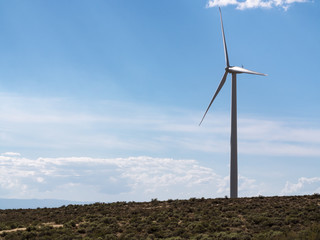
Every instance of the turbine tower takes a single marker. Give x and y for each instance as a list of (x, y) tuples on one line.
[(233, 143)]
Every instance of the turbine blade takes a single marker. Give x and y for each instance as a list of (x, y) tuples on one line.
[(224, 41), (243, 70), (223, 80)]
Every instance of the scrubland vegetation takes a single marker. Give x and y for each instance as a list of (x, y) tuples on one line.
[(294, 217)]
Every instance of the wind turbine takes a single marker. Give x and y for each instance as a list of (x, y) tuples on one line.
[(233, 143)]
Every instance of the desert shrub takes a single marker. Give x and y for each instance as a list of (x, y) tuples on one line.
[(13, 225), (291, 220), (70, 224), (109, 220), (201, 237), (235, 222), (82, 230), (225, 236), (3, 226), (109, 237)]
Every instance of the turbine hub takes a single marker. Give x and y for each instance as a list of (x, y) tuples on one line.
[(229, 69)]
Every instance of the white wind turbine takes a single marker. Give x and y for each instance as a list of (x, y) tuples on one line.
[(234, 148)]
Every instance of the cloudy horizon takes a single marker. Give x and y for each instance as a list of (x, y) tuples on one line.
[(127, 179)]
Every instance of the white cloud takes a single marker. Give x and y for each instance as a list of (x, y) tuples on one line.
[(221, 3), (241, 5), (303, 186), (114, 179)]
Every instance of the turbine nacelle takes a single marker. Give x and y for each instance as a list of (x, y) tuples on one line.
[(235, 69)]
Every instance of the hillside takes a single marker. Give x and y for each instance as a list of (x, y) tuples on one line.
[(294, 217)]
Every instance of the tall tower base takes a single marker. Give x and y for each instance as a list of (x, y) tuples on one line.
[(233, 142)]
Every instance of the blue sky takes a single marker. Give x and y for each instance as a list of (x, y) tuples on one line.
[(101, 100)]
